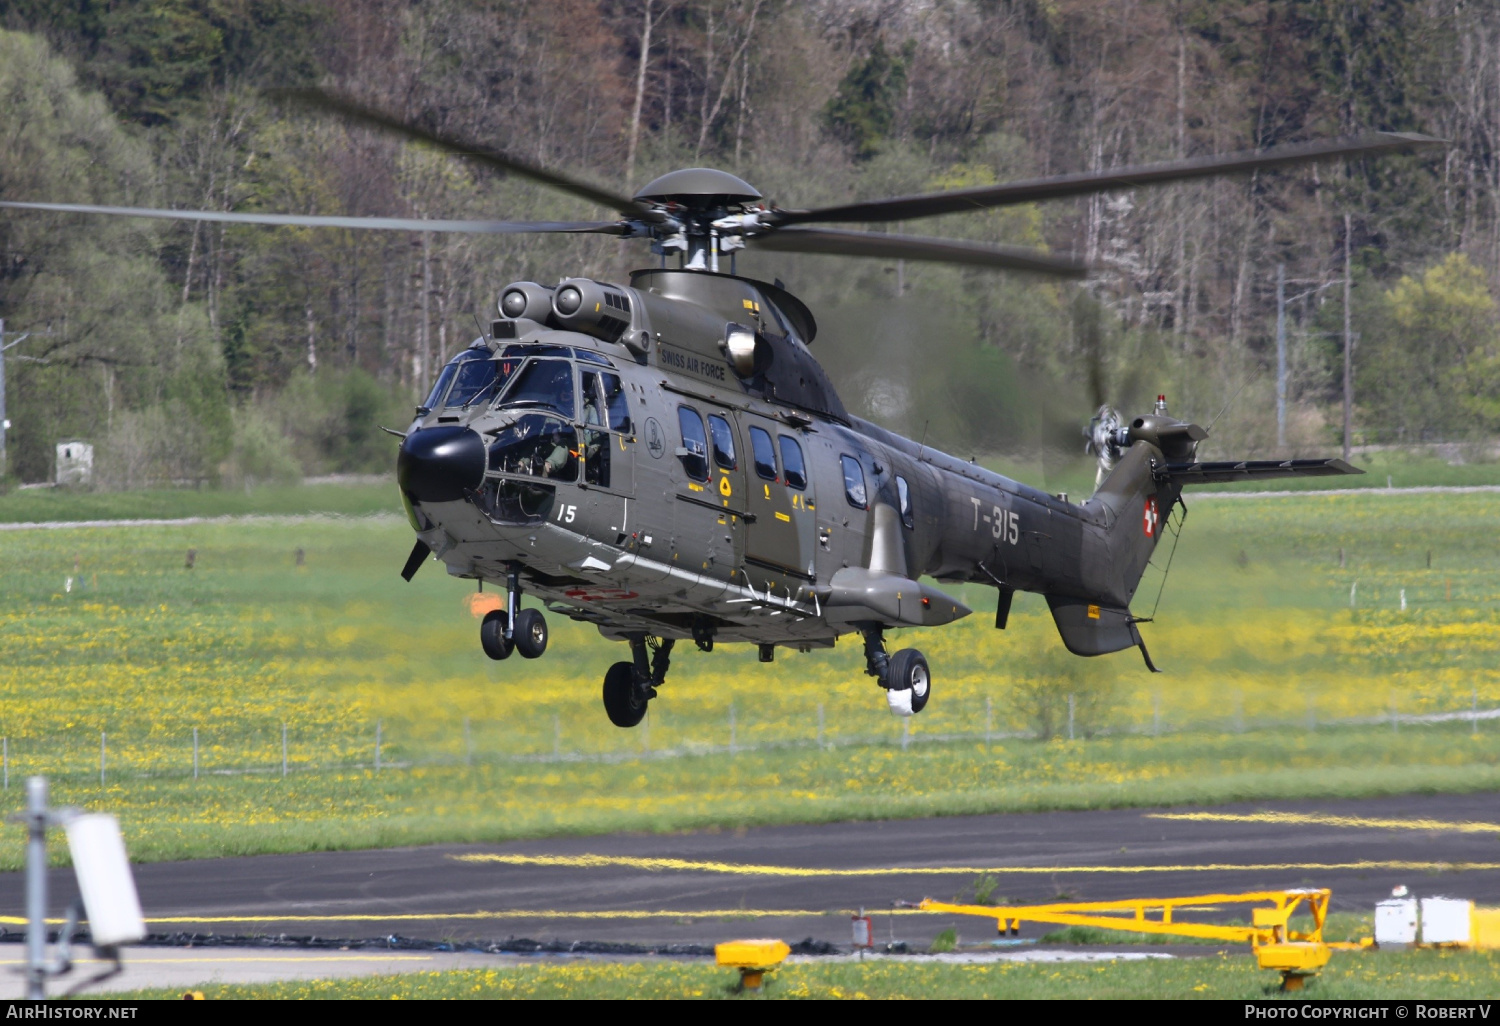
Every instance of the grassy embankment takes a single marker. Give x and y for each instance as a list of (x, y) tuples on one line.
[(1255, 629), (1368, 976)]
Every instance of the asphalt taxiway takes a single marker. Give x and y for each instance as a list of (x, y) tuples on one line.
[(804, 881)]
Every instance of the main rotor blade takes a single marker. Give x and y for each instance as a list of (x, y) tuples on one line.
[(982, 197), (350, 108), (843, 242), (408, 224)]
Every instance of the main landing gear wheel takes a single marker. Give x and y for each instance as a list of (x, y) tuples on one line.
[(531, 633), (624, 702), (908, 682), (492, 635)]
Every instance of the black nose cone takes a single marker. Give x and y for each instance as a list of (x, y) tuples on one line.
[(438, 464)]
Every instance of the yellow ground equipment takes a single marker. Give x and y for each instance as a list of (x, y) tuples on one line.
[(753, 958), (1294, 954)]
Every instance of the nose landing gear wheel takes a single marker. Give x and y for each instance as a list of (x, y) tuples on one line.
[(531, 633), (492, 635), (623, 701), (909, 682)]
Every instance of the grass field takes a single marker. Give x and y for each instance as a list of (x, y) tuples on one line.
[(105, 630), (1368, 976), (346, 499)]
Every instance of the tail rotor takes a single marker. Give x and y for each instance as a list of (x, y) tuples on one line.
[(1107, 438)]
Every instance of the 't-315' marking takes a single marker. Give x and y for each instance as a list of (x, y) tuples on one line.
[(1005, 524)]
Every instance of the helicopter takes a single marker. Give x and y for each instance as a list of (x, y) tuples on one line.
[(667, 461)]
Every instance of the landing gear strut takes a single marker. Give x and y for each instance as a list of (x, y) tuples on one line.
[(905, 676), (513, 628), (630, 686)]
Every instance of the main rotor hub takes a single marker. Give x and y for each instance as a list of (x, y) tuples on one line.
[(698, 187)]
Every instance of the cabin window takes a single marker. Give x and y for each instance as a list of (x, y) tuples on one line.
[(536, 446), (545, 383), (903, 495), (694, 443), (765, 453), (854, 482), (723, 439), (792, 463)]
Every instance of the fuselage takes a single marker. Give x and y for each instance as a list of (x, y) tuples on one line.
[(648, 485)]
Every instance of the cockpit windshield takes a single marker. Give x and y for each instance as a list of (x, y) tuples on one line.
[(544, 383), (473, 376), (478, 380)]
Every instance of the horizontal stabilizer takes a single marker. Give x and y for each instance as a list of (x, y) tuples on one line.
[(1246, 470)]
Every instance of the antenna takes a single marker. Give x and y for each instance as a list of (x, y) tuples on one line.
[(1232, 398)]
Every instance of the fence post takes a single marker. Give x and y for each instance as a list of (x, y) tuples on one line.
[(820, 724), (283, 748), (732, 738), (1070, 717), (377, 746), (905, 732), (5, 748), (468, 745), (101, 758), (556, 737), (195, 753), (989, 721), (646, 733)]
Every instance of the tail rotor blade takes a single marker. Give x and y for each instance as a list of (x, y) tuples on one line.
[(419, 552)]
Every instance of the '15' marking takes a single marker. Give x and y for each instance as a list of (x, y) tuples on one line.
[(566, 513)]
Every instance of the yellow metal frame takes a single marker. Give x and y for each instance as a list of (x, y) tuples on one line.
[(1293, 953)]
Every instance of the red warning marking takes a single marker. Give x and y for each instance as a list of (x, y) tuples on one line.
[(600, 594)]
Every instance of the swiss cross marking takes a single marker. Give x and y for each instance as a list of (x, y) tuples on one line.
[(1151, 517)]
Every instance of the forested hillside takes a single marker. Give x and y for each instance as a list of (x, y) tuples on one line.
[(209, 353)]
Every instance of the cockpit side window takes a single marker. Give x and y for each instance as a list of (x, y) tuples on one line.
[(440, 389), (614, 402), (545, 383), (903, 495)]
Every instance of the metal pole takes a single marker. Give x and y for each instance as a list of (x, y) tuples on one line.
[(731, 728), (1348, 344), (556, 737), (5, 750), (283, 749), (195, 753), (1070, 717), (3, 422), (377, 746), (101, 758), (36, 888), (820, 724), (1281, 356), (989, 720)]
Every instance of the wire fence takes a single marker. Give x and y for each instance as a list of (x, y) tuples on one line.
[(285, 749)]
